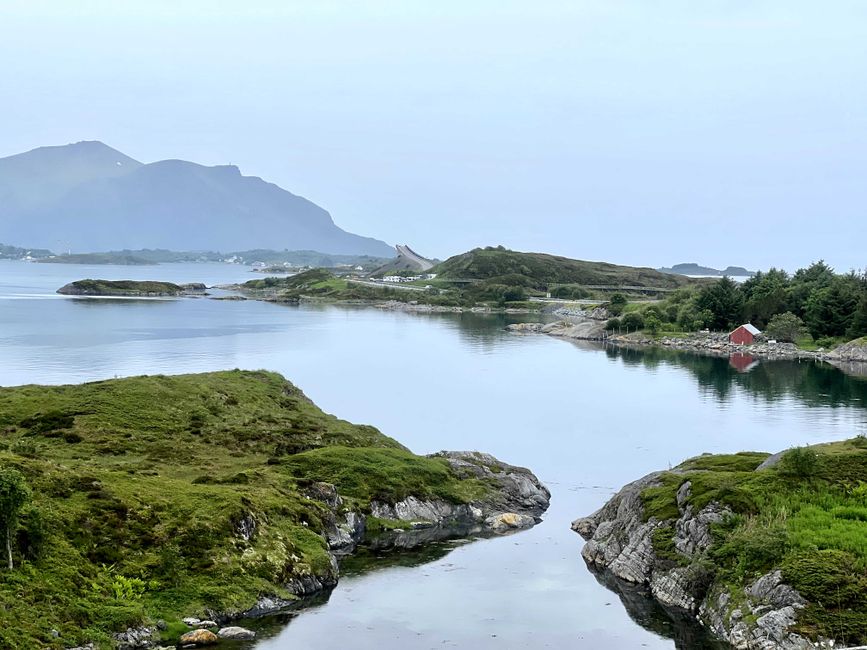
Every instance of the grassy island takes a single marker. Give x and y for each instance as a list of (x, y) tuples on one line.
[(134, 288), (159, 497)]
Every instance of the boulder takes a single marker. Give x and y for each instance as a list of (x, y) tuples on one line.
[(198, 638), (237, 633)]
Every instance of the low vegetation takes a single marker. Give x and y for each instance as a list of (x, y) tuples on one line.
[(806, 515), (125, 498)]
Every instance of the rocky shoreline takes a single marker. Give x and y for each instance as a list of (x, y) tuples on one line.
[(620, 543), (850, 357), (516, 502)]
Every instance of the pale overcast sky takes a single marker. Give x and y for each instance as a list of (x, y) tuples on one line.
[(636, 131)]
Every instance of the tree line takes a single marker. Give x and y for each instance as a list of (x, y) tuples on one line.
[(813, 301)]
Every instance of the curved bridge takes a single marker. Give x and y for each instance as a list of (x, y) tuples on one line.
[(405, 251)]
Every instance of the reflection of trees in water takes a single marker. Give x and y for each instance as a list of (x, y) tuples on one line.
[(678, 626), (813, 383)]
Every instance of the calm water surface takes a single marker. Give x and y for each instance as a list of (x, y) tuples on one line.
[(586, 420)]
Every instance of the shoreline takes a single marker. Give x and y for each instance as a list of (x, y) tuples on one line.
[(516, 502), (716, 345)]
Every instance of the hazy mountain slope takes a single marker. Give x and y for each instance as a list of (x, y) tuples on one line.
[(169, 204), (42, 176)]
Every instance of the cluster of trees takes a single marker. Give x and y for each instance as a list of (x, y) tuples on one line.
[(814, 300)]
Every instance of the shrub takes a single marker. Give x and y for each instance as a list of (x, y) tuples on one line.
[(785, 327), (753, 547), (617, 303), (799, 462), (612, 324), (632, 321)]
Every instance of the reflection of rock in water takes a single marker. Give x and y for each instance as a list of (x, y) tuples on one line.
[(364, 560), (851, 368), (673, 624), (271, 625), (371, 559)]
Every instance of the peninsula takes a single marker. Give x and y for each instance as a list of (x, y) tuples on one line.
[(148, 500)]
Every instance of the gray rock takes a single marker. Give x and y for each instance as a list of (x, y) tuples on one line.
[(237, 633), (133, 638)]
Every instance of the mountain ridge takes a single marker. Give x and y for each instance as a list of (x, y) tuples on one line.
[(88, 196)]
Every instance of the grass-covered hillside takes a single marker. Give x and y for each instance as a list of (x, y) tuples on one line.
[(806, 515), (140, 490), (540, 270)]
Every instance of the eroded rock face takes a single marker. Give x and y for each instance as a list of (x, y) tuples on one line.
[(771, 603), (620, 543)]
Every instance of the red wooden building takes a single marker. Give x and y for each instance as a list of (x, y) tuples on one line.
[(744, 335)]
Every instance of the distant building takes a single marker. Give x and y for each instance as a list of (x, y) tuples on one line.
[(744, 335)]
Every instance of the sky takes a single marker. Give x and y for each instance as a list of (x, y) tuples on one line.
[(645, 132)]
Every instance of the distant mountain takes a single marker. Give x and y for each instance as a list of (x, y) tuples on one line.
[(691, 268), (90, 197)]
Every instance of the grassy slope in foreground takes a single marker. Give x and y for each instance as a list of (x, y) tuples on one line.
[(807, 516), (539, 270), (139, 486)]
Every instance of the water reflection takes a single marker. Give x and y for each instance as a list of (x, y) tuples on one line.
[(813, 383), (676, 625)]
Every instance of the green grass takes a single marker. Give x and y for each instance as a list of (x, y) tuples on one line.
[(806, 515), (139, 486)]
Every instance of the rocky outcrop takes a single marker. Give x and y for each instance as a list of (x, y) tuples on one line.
[(516, 500), (620, 543)]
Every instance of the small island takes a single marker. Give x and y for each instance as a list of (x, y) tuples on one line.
[(130, 288), (151, 506), (766, 551)]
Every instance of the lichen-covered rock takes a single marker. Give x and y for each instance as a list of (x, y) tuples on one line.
[(198, 638)]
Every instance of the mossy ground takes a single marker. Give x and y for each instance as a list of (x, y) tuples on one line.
[(139, 486), (807, 515)]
